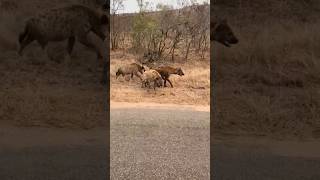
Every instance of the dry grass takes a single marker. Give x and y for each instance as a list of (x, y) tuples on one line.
[(36, 90), (192, 88), (39, 92), (268, 84)]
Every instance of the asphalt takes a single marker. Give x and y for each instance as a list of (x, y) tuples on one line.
[(149, 143), (146, 143)]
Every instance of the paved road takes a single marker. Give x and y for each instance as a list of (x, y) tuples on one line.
[(157, 143), (173, 144), (148, 143)]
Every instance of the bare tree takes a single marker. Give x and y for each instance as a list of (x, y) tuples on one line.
[(116, 5), (166, 32)]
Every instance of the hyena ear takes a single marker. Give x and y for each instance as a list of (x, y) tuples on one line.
[(104, 19)]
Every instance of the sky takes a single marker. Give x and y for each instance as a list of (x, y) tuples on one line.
[(131, 6)]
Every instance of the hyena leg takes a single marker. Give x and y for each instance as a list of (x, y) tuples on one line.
[(145, 83), (170, 83), (165, 83), (71, 42), (138, 74), (99, 56), (96, 42), (154, 85), (70, 45), (43, 44), (26, 41)]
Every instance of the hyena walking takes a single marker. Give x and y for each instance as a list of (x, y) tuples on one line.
[(70, 23), (166, 71), (132, 69), (222, 33)]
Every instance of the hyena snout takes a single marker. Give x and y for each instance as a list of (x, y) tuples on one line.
[(223, 34), (117, 74), (226, 39), (180, 72), (233, 40)]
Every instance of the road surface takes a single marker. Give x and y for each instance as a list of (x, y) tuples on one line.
[(153, 142), (145, 142), (157, 142)]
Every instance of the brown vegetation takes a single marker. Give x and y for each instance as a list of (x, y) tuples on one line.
[(176, 38), (268, 84)]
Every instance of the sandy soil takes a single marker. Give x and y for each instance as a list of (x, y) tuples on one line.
[(117, 105)]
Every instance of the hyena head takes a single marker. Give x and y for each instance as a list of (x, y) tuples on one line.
[(179, 72), (118, 73), (159, 82), (142, 69), (102, 27), (222, 33)]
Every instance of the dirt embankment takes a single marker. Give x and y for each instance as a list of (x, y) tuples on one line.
[(268, 84)]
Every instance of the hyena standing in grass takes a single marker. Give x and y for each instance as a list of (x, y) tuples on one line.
[(132, 69), (166, 71), (222, 33), (151, 76), (70, 23)]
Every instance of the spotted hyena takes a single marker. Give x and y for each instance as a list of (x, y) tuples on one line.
[(222, 33), (166, 71), (132, 69), (75, 22)]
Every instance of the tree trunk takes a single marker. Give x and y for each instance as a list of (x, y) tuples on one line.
[(187, 53)]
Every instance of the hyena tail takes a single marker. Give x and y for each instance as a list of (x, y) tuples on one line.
[(23, 35)]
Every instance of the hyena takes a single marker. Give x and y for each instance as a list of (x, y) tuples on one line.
[(166, 71), (222, 33), (132, 69), (150, 76), (75, 22)]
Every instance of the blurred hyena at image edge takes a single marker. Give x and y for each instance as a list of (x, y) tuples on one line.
[(267, 83), (41, 87)]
